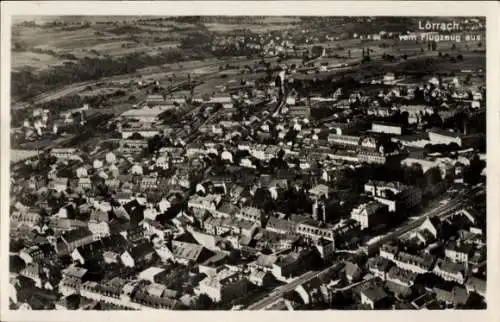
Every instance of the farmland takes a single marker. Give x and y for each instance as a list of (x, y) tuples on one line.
[(66, 55)]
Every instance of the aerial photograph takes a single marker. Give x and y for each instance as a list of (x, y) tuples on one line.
[(246, 163)]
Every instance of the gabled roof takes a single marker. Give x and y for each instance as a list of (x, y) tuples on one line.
[(451, 267), (76, 234), (186, 250), (374, 293), (141, 250), (266, 260), (477, 284)]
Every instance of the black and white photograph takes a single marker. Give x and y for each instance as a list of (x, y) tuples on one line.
[(247, 162)]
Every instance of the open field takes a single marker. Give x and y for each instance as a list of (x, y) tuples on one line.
[(37, 61)]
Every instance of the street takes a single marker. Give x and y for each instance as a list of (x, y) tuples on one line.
[(445, 210)]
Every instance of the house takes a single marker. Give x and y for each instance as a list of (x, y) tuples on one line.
[(35, 272), (294, 263), (312, 229), (99, 224), (319, 191), (450, 271), (251, 214), (414, 263), (64, 154), (110, 257), (459, 252), (84, 183), (370, 214), (280, 226), (225, 285), (28, 218), (477, 285), (31, 254), (74, 238), (379, 266), (313, 291), (325, 248), (227, 209), (440, 136), (140, 254), (188, 252), (261, 278), (208, 202), (457, 295), (75, 272), (149, 274), (400, 281), (374, 296), (265, 262), (394, 194), (69, 302)]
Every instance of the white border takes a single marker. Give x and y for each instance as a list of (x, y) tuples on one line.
[(280, 8)]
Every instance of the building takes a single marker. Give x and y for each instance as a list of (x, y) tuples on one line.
[(186, 252), (31, 254), (414, 263), (261, 278), (394, 194), (145, 114), (251, 214), (280, 226), (388, 128), (223, 286), (64, 154), (35, 272), (379, 266), (143, 131), (370, 214), (458, 251), (374, 297), (73, 239), (345, 140), (312, 229), (401, 280), (138, 255), (376, 157), (477, 285), (450, 271), (299, 111), (28, 218), (352, 272)]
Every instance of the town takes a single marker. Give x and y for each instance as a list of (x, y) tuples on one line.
[(287, 168)]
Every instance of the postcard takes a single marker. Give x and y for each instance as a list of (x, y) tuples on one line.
[(326, 158)]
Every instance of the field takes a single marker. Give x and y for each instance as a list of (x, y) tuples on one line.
[(35, 60), (68, 55)]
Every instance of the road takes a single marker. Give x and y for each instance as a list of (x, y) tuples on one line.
[(440, 212), (280, 291)]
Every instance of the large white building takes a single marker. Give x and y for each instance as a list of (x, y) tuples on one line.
[(389, 128), (146, 114)]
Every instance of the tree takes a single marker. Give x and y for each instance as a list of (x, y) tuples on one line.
[(432, 176), (472, 173), (154, 144)]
